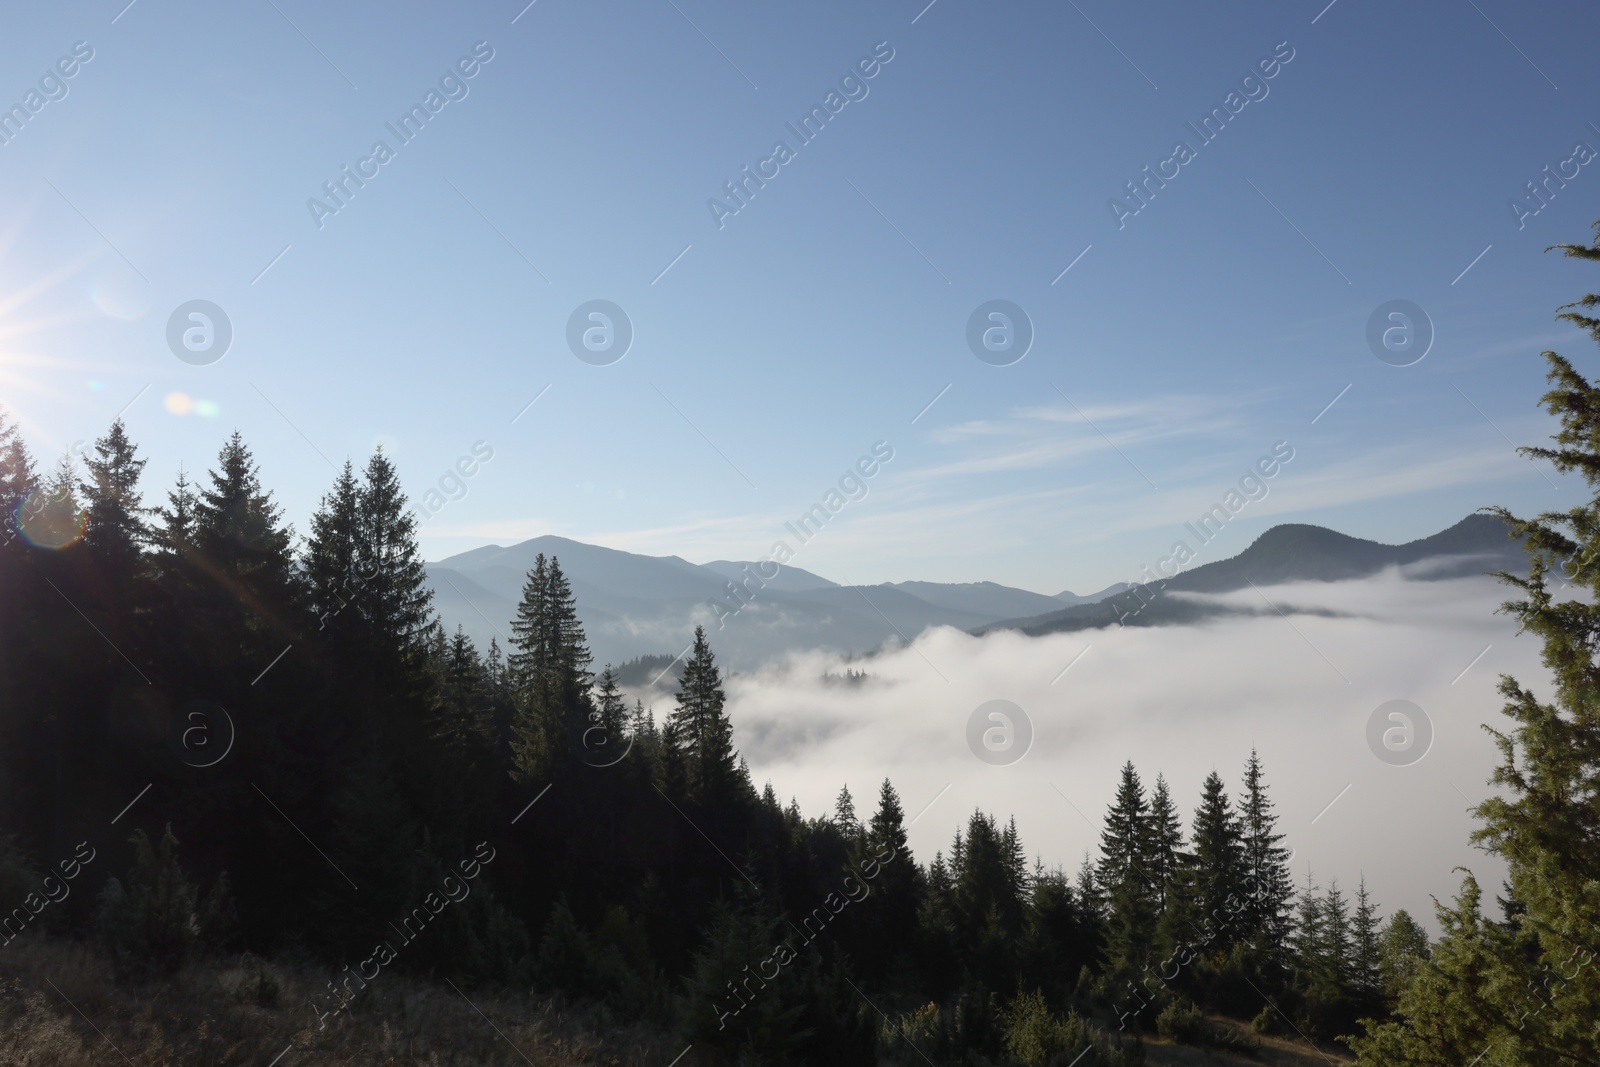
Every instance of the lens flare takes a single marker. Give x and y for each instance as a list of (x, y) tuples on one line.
[(50, 520), (179, 403)]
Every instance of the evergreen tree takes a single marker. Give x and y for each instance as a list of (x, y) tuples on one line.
[(607, 740), (331, 554), (115, 533), (394, 596), (1217, 866), (1269, 888), (1474, 998), (1165, 843), (1402, 948), (700, 724), (17, 475), (1125, 841), (550, 680), (1366, 979), (844, 814)]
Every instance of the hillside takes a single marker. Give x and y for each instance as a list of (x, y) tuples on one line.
[(1293, 552)]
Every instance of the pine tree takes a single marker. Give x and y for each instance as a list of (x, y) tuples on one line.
[(243, 546), (394, 595), (115, 533), (1269, 888), (331, 553), (1165, 844), (1129, 889), (606, 741), (1217, 866), (1366, 979), (1402, 948), (17, 475), (1125, 840), (550, 678), (1472, 998), (844, 814), (701, 725)]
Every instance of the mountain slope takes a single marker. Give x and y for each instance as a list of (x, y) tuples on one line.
[(1293, 552)]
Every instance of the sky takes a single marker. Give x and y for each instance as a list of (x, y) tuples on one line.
[(585, 158)]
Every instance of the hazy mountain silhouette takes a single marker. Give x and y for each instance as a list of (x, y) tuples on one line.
[(634, 605), (1293, 552)]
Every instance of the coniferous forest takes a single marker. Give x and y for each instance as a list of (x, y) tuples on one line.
[(226, 739)]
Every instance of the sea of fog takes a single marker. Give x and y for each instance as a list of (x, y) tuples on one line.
[(1298, 682)]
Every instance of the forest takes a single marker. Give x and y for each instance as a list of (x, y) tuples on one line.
[(220, 736)]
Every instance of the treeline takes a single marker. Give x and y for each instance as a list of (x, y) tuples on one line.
[(308, 763)]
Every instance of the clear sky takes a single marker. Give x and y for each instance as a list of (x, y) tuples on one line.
[(773, 347)]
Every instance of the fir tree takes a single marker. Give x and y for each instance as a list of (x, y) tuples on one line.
[(115, 533), (1216, 866), (701, 727), (1269, 888)]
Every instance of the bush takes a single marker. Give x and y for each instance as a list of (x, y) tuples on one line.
[(1266, 1022), (1184, 1023), (1033, 1037), (150, 926)]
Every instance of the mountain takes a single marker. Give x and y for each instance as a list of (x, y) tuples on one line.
[(789, 579), (1293, 552), (635, 605), (1093, 598)]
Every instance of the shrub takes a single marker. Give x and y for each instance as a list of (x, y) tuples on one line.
[(1184, 1023), (150, 926)]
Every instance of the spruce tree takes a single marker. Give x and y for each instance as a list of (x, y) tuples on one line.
[(1511, 997), (1165, 843), (1402, 948), (330, 557), (550, 680), (1366, 954), (844, 813), (115, 534), (1269, 888), (394, 595), (700, 723), (1217, 866)]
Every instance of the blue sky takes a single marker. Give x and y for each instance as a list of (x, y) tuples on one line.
[(826, 314)]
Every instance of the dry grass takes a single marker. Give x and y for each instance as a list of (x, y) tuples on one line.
[(1274, 1052), (60, 1008)]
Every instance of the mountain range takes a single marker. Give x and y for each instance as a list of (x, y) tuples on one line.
[(634, 605)]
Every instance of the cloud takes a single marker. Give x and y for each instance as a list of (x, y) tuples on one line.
[(1183, 701)]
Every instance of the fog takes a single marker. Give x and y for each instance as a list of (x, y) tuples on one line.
[(1299, 686)]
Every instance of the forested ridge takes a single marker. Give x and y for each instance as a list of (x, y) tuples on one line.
[(240, 738)]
